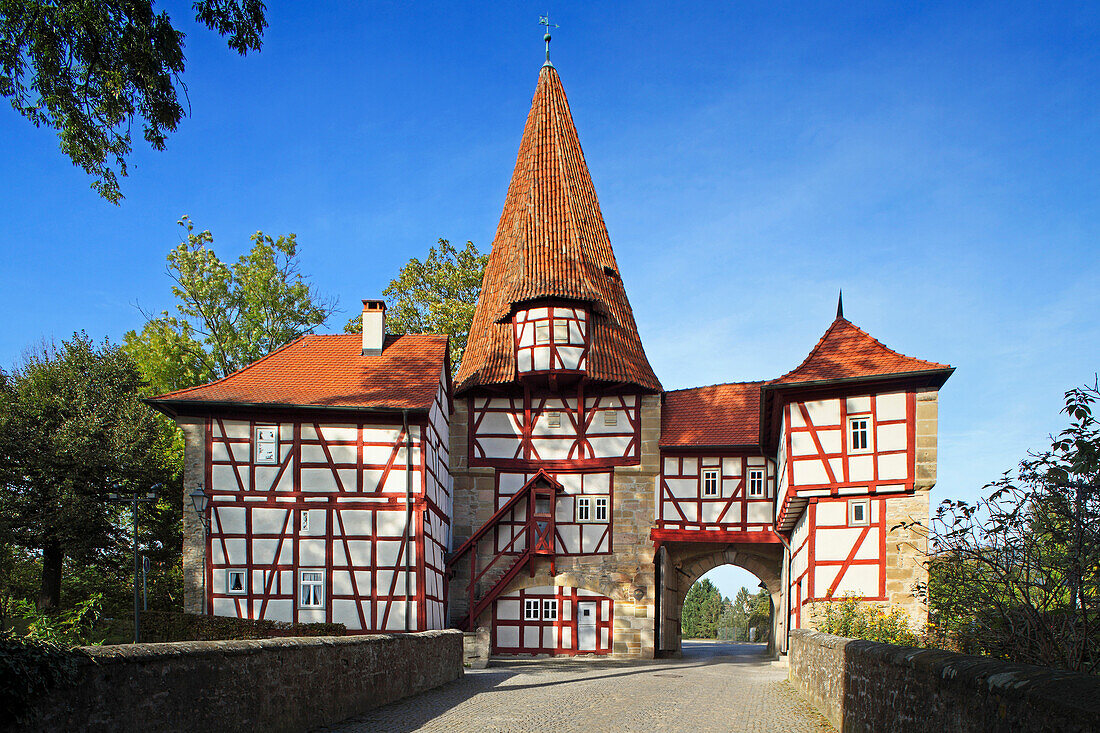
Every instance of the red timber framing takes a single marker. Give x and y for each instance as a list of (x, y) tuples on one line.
[(555, 628), (835, 555), (537, 498), (711, 492), (818, 459), (551, 339), (582, 427), (573, 533), (332, 502)]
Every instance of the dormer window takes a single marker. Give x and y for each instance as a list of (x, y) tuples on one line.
[(542, 332), (551, 339), (561, 332)]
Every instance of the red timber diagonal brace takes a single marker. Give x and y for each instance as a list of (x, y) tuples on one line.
[(540, 493)]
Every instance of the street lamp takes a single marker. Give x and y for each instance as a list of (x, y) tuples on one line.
[(134, 500), (199, 500)]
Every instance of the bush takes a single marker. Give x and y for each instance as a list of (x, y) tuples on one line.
[(171, 626), (30, 667), (853, 619)]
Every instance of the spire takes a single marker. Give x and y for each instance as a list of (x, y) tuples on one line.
[(545, 20), (552, 243), (840, 305)]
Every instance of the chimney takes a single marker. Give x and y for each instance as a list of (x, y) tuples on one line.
[(374, 327)]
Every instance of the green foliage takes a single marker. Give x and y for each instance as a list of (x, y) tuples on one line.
[(702, 608), (30, 667), (75, 626), (227, 316), (853, 619), (437, 295), (90, 68), (746, 612), (72, 430), (170, 626), (1016, 575)]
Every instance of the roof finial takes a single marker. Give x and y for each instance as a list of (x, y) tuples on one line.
[(545, 20), (840, 305)]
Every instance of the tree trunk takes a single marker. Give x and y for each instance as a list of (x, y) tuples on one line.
[(49, 594)]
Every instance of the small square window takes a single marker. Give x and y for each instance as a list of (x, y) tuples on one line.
[(561, 332), (553, 419), (859, 432), (531, 609), (584, 509), (610, 417), (266, 444), (756, 482), (710, 482), (601, 508), (311, 585), (305, 520), (550, 609), (542, 332), (859, 511), (236, 582)]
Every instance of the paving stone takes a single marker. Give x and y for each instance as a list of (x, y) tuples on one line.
[(715, 687)]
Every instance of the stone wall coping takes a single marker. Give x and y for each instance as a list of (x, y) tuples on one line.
[(1043, 687), (164, 651)]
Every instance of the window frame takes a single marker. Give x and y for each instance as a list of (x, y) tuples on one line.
[(229, 572), (865, 504), (303, 521), (586, 502), (528, 605), (549, 609), (704, 475), (274, 442), (553, 418), (610, 418), (544, 328), (869, 422), (319, 584), (601, 502), (763, 474), (559, 323)]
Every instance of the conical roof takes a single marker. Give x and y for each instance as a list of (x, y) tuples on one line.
[(552, 243)]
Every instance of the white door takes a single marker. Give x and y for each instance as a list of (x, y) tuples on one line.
[(586, 626)]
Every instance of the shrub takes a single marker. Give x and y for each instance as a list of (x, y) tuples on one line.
[(30, 667), (853, 619)]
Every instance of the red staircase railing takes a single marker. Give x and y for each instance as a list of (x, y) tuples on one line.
[(537, 534)]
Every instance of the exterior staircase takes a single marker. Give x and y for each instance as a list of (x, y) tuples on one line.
[(491, 570)]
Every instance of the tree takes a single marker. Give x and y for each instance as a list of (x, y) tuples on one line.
[(702, 608), (90, 68), (72, 430), (226, 316), (437, 295), (1017, 574)]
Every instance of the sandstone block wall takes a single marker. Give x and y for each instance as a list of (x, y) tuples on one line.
[(866, 686), (271, 685)]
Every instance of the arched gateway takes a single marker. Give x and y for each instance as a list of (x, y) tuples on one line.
[(556, 492)]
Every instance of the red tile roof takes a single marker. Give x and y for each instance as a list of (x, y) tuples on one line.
[(329, 371), (720, 414), (849, 352), (552, 243)]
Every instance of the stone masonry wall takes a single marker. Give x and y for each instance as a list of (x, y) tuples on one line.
[(271, 685), (194, 472), (866, 686), (627, 576)]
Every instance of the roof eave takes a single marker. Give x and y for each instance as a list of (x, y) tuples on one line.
[(172, 408)]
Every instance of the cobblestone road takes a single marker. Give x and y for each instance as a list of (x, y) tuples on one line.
[(715, 687)]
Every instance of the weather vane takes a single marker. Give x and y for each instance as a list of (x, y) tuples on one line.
[(545, 20)]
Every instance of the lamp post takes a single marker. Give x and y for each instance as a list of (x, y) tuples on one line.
[(134, 500), (199, 500)]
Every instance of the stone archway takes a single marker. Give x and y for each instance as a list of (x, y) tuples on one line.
[(683, 564)]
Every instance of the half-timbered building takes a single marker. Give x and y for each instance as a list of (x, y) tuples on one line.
[(559, 496)]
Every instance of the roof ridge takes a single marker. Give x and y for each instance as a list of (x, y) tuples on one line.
[(246, 367), (721, 384)]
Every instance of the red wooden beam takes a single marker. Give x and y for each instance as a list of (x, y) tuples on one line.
[(660, 536)]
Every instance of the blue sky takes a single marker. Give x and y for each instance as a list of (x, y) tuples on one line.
[(937, 161)]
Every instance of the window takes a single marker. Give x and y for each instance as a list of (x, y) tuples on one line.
[(859, 513), (601, 508), (610, 417), (553, 419), (266, 444), (311, 585), (859, 430), (756, 482), (550, 609), (710, 482), (305, 520), (561, 332), (542, 332), (236, 582), (584, 509), (531, 609)]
